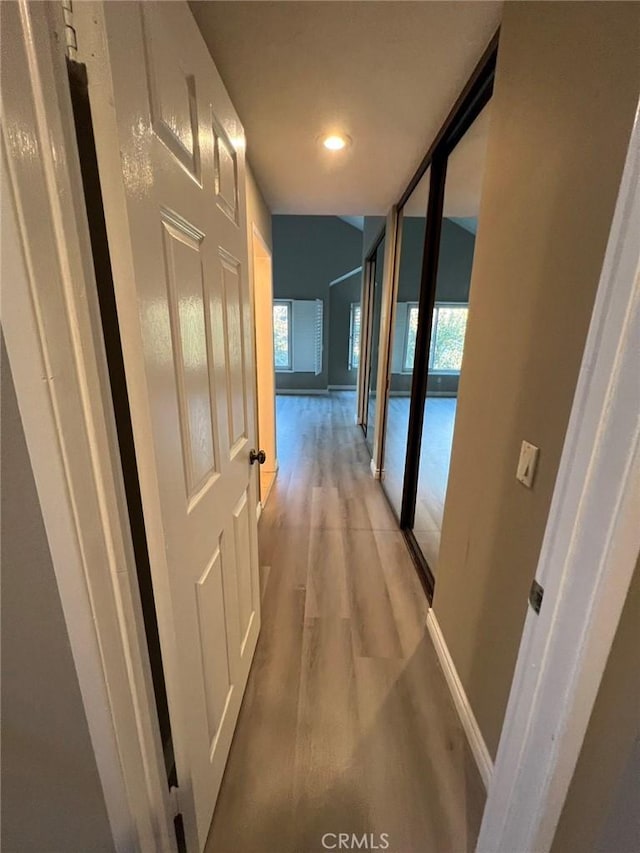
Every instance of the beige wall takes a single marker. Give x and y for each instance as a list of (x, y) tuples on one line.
[(602, 810), (567, 86), (52, 798)]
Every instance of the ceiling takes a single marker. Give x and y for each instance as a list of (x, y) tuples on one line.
[(463, 183), (385, 73)]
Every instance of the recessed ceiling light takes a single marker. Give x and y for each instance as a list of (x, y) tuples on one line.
[(336, 142)]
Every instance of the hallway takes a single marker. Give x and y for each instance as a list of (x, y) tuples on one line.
[(347, 725)]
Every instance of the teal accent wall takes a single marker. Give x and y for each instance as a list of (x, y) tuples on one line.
[(341, 298), (308, 253)]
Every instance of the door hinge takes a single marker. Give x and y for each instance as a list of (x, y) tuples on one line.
[(70, 36), (174, 800), (536, 594), (178, 823)]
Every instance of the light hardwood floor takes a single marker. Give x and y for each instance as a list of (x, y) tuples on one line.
[(347, 724)]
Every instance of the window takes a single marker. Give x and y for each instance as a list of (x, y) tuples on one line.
[(282, 334), (298, 335), (410, 337), (447, 337), (354, 336)]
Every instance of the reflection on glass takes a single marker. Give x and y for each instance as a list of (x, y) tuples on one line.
[(375, 339), (354, 336), (403, 344), (447, 338), (412, 331), (449, 323)]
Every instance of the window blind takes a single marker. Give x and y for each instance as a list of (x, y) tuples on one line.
[(307, 335)]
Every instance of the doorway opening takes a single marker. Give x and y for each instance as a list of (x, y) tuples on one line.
[(317, 315)]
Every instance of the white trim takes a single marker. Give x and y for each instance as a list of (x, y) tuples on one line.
[(346, 276), (375, 471), (265, 497), (51, 326), (587, 559), (461, 702), (259, 240), (259, 509)]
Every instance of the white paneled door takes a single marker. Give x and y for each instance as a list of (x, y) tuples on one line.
[(171, 158)]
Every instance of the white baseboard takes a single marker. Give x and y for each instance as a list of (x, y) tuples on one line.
[(377, 472), (460, 700), (258, 510)]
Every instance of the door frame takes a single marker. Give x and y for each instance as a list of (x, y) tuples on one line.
[(259, 246), (367, 301), (52, 329), (586, 577), (362, 367)]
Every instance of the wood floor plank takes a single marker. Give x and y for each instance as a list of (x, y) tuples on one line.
[(328, 798), (408, 601), (373, 625), (327, 593)]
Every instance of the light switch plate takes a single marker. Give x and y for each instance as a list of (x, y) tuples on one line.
[(527, 463)]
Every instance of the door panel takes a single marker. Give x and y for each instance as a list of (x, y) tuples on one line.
[(226, 171), (171, 158), (171, 90), (213, 637), (184, 271), (234, 348), (241, 529)]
